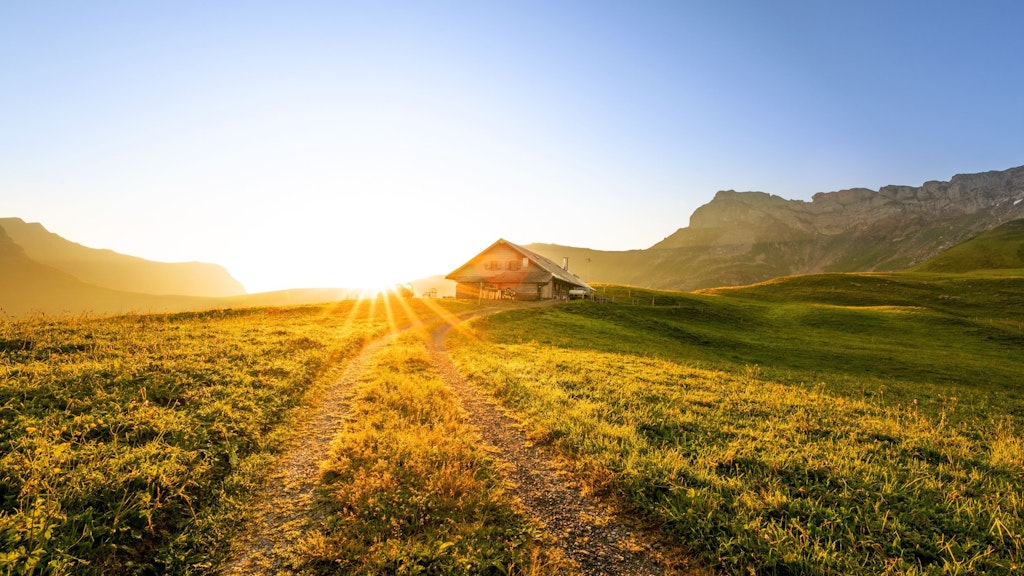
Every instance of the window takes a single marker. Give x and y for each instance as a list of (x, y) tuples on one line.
[(514, 265), (492, 265)]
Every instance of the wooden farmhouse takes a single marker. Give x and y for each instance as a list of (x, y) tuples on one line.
[(508, 271)]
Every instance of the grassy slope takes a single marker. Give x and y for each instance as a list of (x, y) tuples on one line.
[(824, 424), (924, 329), (998, 249), (861, 331)]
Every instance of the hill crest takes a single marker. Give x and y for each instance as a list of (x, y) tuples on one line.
[(27, 286), (1001, 248), (115, 271)]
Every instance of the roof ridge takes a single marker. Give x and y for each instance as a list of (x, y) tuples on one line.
[(549, 265), (543, 262)]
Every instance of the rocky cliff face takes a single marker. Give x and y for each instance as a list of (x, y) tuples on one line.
[(746, 216), (744, 237)]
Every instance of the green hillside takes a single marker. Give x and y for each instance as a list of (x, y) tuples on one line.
[(999, 249), (832, 424), (990, 297)]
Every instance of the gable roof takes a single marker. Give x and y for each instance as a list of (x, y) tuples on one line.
[(544, 270)]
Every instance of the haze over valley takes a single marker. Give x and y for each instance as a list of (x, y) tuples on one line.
[(738, 238)]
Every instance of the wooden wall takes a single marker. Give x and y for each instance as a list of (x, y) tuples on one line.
[(528, 291)]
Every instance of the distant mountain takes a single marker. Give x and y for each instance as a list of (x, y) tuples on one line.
[(32, 282), (1001, 248), (109, 269), (745, 237), (26, 286)]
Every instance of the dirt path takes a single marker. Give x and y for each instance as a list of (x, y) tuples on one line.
[(588, 535), (284, 507)]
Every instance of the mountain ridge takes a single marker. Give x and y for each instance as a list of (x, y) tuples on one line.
[(27, 286), (746, 237), (116, 271), (832, 213)]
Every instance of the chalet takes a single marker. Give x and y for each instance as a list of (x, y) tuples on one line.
[(509, 271)]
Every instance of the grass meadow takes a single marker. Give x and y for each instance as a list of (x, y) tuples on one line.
[(408, 489), (832, 424), (836, 424), (131, 444)]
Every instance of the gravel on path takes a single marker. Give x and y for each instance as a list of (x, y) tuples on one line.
[(285, 506), (588, 534)]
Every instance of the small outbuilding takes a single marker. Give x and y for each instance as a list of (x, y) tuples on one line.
[(507, 271)]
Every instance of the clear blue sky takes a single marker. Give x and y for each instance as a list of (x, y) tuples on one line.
[(311, 143)]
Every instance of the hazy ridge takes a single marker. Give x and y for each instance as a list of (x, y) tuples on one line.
[(109, 269), (42, 272), (28, 286)]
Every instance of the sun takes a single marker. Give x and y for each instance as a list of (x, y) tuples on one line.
[(379, 276), (370, 290), (370, 282)]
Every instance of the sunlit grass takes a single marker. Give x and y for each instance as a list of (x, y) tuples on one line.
[(854, 424), (777, 437), (407, 488), (131, 444)]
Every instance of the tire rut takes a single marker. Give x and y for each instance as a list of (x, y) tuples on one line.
[(285, 505), (588, 535)]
